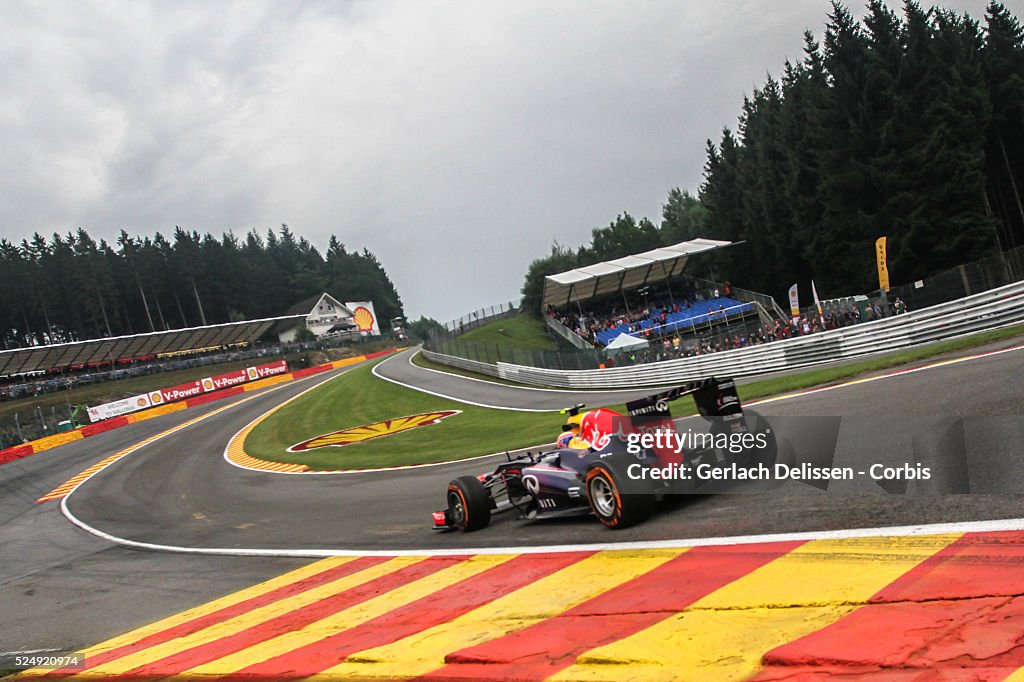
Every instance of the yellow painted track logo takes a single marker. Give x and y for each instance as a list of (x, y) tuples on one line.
[(358, 434)]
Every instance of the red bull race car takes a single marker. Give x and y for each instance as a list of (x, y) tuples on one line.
[(616, 466)]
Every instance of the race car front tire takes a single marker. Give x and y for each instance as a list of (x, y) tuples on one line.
[(469, 505), (617, 500)]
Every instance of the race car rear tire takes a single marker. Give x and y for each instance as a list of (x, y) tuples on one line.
[(617, 500), (468, 504)]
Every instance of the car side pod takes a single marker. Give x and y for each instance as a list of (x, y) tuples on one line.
[(617, 500)]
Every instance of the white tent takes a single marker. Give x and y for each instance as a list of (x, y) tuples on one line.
[(626, 342)]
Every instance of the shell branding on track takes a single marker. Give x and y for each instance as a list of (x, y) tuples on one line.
[(358, 434), (924, 607)]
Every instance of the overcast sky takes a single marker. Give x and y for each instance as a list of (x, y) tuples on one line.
[(455, 140)]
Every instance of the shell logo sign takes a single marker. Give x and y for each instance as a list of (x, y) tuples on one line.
[(358, 434), (363, 319), (252, 373), (156, 397), (207, 384)]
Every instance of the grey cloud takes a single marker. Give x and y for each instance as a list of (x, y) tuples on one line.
[(456, 140)]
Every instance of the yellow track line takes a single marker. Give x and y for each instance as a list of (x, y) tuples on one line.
[(1016, 676), (64, 489), (724, 635), (249, 619), (351, 617), (206, 609), (554, 594)]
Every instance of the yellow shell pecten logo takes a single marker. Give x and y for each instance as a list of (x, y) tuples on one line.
[(363, 319), (358, 434)]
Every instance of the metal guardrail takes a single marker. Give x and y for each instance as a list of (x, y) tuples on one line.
[(987, 310), (569, 335)]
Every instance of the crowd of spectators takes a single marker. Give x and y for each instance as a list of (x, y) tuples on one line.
[(674, 347), (645, 319)]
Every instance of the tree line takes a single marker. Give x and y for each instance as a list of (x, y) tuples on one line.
[(908, 125), (71, 287)]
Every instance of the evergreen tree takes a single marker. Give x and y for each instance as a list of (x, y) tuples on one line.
[(1003, 67), (73, 287)]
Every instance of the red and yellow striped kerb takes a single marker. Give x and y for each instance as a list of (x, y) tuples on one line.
[(944, 607)]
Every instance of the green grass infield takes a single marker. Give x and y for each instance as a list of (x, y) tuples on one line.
[(358, 398)]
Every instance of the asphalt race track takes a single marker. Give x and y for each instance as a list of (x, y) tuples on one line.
[(69, 588), (180, 492)]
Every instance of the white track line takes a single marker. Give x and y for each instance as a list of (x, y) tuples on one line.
[(889, 531), (786, 396), (581, 391), (449, 397), (888, 375), (1014, 524), (351, 472)]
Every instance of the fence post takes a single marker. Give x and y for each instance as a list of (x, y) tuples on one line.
[(963, 279)]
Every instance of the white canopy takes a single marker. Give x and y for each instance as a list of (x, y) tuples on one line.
[(626, 342), (627, 273)]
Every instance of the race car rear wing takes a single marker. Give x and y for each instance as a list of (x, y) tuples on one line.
[(715, 398)]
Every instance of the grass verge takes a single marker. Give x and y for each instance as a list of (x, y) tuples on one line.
[(356, 398), (768, 387), (520, 331), (827, 375)]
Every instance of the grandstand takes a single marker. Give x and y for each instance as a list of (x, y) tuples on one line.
[(110, 351), (677, 313), (701, 314)]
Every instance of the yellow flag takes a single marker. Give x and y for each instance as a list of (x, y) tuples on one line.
[(883, 270)]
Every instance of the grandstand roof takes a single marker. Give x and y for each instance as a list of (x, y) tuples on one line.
[(629, 272), (107, 350)]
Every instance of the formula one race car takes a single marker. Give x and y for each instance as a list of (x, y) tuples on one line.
[(614, 465)]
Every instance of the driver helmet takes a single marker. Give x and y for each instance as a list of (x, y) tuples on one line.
[(570, 430)]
